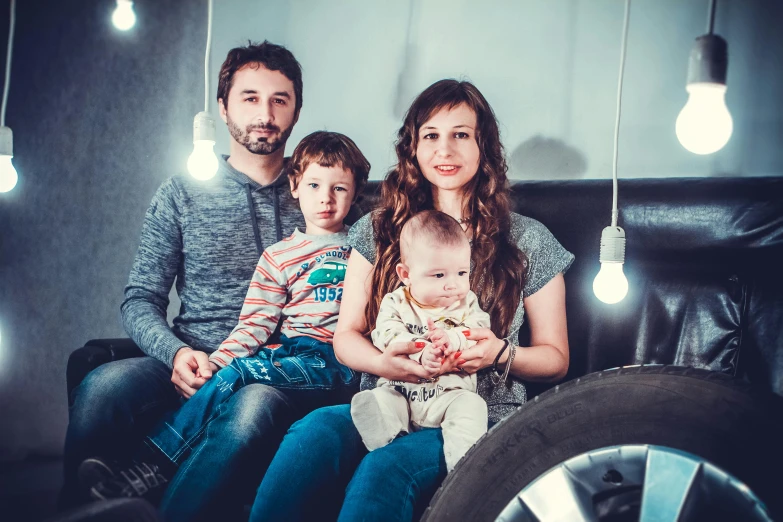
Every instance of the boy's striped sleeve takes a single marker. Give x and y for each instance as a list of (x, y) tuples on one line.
[(260, 314)]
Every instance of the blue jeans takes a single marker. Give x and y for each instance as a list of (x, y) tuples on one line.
[(300, 364), (118, 403), (322, 471)]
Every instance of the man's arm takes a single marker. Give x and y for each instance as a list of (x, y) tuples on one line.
[(260, 313), (153, 273)]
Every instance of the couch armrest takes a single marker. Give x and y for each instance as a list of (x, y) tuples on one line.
[(118, 349), (95, 353)]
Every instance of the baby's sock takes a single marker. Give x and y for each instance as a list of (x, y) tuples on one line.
[(379, 415)]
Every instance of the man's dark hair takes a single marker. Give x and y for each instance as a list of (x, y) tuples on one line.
[(273, 57)]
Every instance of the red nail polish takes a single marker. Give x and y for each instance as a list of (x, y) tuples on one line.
[(466, 332), (419, 344), (461, 362), (457, 354)]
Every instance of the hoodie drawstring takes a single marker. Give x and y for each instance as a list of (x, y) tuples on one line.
[(254, 218), (278, 224)]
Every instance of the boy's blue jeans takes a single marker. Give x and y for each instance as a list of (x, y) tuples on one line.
[(302, 366)]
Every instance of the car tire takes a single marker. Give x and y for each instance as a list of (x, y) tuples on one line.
[(707, 414)]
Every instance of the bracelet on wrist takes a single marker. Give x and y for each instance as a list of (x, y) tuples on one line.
[(494, 374), (511, 354)]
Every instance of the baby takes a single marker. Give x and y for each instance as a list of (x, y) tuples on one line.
[(435, 306)]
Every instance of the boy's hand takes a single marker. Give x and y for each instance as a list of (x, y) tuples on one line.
[(432, 357)]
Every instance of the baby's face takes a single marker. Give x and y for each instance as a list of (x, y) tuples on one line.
[(437, 275)]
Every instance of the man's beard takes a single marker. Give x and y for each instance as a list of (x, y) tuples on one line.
[(264, 145)]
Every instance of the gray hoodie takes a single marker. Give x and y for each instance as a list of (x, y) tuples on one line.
[(209, 235)]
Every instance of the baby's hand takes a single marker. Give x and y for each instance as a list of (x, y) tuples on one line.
[(438, 336), (432, 357)]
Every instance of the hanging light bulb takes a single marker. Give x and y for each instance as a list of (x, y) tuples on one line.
[(8, 175), (202, 163), (704, 125), (610, 285), (123, 17)]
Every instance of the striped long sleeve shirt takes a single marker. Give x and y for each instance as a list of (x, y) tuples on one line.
[(298, 280)]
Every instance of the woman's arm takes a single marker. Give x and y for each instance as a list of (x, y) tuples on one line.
[(547, 358), (352, 348)]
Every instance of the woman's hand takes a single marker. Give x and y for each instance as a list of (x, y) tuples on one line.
[(483, 353), (396, 365)]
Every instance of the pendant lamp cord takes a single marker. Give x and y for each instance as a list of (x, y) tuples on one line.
[(206, 56), (7, 84), (617, 118)]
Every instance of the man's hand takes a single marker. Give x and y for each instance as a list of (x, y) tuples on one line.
[(191, 370)]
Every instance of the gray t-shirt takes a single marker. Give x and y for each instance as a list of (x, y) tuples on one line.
[(546, 258)]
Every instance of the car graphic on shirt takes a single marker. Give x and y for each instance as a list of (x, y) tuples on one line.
[(329, 273)]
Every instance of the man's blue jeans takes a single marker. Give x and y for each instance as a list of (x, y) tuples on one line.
[(300, 364), (118, 403), (322, 471)]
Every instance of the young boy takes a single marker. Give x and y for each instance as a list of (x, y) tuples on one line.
[(434, 306), (298, 280)]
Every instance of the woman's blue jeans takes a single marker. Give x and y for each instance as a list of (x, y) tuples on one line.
[(322, 471)]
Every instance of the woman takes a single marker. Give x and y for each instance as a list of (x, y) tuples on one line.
[(449, 158)]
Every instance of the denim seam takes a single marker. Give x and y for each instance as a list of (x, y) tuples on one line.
[(188, 443), (297, 362), (183, 446), (181, 472), (410, 486)]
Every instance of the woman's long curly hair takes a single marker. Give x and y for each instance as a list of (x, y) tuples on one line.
[(499, 267)]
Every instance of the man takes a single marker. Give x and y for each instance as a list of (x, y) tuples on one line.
[(209, 235)]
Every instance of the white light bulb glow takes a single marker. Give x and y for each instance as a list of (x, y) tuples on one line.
[(123, 17), (704, 125), (610, 285), (8, 175), (202, 162)]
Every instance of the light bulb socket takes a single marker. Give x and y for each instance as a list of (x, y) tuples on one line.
[(203, 127), (6, 142), (612, 245), (709, 60)]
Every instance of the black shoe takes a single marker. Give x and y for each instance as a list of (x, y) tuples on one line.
[(140, 479), (94, 470)]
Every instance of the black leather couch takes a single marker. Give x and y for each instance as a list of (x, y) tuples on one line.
[(703, 261)]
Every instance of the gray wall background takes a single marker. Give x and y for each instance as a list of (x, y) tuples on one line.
[(101, 118)]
